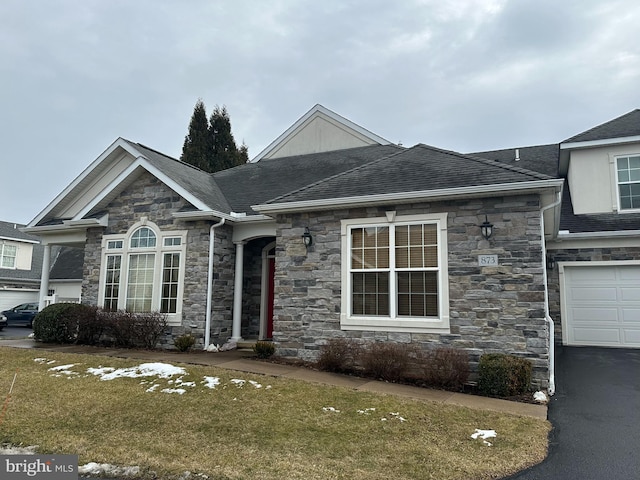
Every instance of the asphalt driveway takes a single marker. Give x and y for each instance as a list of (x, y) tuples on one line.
[(595, 415)]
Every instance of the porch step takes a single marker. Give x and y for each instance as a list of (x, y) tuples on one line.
[(247, 344)]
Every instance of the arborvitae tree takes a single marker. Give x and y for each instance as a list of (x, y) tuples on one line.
[(226, 154), (210, 145), (196, 149)]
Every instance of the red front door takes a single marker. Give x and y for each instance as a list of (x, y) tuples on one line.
[(272, 271)]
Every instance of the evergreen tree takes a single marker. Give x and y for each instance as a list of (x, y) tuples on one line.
[(226, 154), (210, 145), (197, 147)]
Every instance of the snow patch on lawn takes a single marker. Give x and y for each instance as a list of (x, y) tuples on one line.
[(157, 369), (93, 468), (484, 434)]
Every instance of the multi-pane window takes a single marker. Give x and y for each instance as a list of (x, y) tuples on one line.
[(8, 255), (170, 276), (143, 271), (408, 271), (140, 282), (112, 282), (628, 169), (394, 274)]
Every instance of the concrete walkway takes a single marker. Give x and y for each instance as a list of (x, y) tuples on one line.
[(244, 361)]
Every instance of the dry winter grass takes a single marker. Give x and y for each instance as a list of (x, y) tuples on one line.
[(284, 429)]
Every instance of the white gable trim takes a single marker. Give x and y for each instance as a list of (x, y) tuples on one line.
[(599, 143), (273, 146), (141, 162), (119, 143)]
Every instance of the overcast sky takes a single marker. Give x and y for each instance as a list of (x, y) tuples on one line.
[(463, 75)]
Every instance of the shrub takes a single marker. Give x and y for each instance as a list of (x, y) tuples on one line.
[(60, 322), (339, 355), (388, 361), (185, 342), (264, 349), (130, 330), (503, 375), (446, 368)]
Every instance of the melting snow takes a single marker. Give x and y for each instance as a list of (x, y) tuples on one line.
[(484, 434), (330, 409), (211, 382), (161, 370), (540, 397)]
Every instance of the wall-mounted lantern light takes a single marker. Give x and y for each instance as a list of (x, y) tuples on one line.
[(551, 263), (307, 238), (486, 228)]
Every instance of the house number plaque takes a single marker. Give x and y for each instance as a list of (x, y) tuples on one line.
[(488, 260)]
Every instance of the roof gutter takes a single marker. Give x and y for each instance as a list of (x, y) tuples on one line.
[(233, 217), (406, 197), (588, 235)]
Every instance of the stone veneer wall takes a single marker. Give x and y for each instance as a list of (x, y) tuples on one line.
[(148, 197), (579, 255), (492, 309)]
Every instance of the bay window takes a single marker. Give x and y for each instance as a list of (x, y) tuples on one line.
[(394, 274), (143, 271)]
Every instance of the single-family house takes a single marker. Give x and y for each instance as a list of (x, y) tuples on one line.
[(21, 261), (333, 232), (20, 264)]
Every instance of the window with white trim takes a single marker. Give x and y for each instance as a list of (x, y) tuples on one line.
[(628, 174), (8, 255), (394, 274), (143, 271)]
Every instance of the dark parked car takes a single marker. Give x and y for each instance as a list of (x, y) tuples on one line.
[(20, 315)]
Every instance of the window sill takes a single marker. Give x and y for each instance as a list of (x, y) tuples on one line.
[(377, 324)]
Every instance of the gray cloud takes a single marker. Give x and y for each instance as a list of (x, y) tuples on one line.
[(464, 75)]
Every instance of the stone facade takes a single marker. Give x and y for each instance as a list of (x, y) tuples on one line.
[(150, 198), (492, 309)]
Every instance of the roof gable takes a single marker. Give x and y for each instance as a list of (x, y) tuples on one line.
[(319, 130), (627, 125), (119, 165)]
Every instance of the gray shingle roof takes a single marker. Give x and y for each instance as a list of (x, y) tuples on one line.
[(540, 158), (420, 168), (11, 230), (200, 184), (628, 125), (68, 264), (255, 183)]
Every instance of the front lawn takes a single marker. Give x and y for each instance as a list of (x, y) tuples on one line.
[(230, 425)]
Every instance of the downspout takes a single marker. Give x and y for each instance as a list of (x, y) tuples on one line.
[(552, 355), (207, 324)]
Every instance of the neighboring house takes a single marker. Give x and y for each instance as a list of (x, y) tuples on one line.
[(334, 232), (65, 277), (20, 264)]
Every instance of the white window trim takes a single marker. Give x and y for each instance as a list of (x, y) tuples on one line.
[(159, 250), (616, 190), (403, 324), (4, 244)]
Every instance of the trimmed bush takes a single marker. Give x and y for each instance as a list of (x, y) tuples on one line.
[(504, 375), (130, 330), (446, 368), (264, 349), (339, 355), (387, 361), (63, 323), (185, 342)]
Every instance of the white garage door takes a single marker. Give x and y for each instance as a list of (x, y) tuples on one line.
[(11, 298), (602, 306)]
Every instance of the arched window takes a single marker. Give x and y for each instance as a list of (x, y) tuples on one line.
[(143, 271), (143, 238)]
